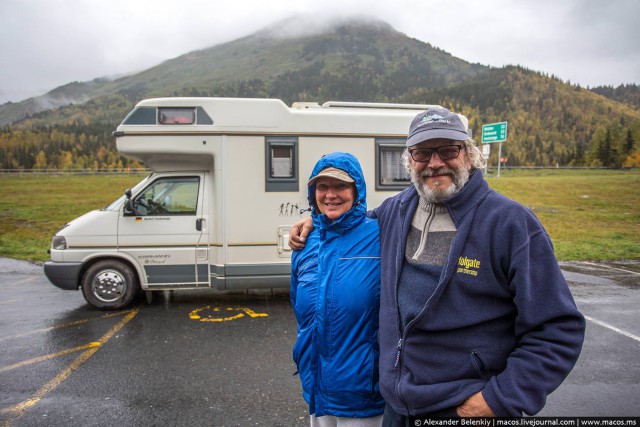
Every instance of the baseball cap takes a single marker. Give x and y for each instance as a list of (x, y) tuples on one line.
[(332, 172), (436, 123)]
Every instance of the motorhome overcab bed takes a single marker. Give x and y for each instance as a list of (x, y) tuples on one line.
[(228, 180)]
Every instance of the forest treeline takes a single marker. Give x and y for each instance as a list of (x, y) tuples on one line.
[(625, 93), (545, 129), (549, 122), (65, 147)]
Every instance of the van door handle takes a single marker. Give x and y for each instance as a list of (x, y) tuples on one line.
[(199, 224)]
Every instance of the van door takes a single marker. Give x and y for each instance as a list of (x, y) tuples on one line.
[(162, 230), (202, 225)]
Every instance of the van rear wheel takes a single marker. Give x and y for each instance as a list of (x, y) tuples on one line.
[(110, 285)]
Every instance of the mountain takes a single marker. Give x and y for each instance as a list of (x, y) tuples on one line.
[(353, 60), (72, 93), (550, 122)]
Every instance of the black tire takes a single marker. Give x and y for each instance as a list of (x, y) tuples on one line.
[(110, 285)]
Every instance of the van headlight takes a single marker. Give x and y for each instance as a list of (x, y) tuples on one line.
[(59, 243)]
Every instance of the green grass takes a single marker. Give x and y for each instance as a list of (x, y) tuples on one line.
[(590, 214), (34, 207)]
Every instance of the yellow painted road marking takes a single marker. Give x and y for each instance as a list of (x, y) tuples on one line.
[(65, 325), (48, 356), (17, 410), (254, 314), (197, 314)]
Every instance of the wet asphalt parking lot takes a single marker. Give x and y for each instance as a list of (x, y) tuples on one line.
[(214, 359)]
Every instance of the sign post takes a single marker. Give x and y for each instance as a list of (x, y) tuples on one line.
[(495, 132), (486, 150)]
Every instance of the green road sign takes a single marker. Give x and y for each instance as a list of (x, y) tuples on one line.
[(494, 132)]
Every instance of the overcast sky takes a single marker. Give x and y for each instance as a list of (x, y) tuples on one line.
[(47, 43)]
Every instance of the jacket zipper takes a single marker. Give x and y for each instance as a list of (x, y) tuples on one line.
[(398, 353), (401, 331)]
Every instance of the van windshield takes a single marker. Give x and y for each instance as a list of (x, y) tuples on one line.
[(114, 206)]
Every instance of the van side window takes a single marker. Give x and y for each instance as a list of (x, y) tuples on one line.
[(390, 172), (169, 196), (176, 116), (281, 164), (168, 116), (141, 116), (203, 117)]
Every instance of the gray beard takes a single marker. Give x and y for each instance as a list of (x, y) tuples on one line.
[(439, 195)]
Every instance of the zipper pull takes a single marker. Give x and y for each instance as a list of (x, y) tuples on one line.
[(398, 353)]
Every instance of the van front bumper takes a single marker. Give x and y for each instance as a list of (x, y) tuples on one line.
[(63, 274)]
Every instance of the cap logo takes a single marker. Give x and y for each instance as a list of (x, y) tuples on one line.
[(429, 118), (437, 123)]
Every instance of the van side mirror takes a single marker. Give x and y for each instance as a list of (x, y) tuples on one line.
[(129, 209)]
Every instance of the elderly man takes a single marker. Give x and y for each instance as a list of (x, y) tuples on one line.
[(476, 318)]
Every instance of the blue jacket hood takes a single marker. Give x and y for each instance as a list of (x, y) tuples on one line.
[(348, 163)]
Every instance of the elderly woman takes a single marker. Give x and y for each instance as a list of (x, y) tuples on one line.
[(335, 292)]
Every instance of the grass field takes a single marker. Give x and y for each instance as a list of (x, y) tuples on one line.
[(592, 214)]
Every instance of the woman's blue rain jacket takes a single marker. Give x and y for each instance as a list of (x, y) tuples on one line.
[(335, 292)]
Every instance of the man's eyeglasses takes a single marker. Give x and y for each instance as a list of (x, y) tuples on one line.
[(447, 152)]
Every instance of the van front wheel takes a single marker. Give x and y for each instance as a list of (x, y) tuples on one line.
[(110, 285)]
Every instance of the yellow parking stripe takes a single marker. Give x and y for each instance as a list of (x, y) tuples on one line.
[(64, 325), (48, 356), (17, 410)]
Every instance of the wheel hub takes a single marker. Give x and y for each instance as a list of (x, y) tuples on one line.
[(109, 286)]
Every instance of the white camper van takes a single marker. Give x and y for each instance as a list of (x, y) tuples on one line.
[(228, 180)]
